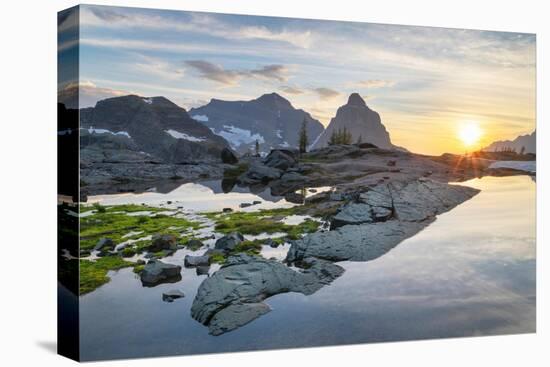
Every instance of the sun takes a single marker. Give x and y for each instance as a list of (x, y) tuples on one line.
[(470, 133)]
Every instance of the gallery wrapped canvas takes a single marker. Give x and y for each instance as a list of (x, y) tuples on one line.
[(234, 183)]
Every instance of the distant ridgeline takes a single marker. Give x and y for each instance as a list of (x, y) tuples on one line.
[(137, 129), (522, 144), (270, 119)]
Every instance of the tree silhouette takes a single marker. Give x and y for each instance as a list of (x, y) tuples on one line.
[(303, 140), (257, 147)]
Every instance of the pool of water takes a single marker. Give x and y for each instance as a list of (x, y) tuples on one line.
[(470, 273), (204, 197)]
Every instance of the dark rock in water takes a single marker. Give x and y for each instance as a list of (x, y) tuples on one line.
[(245, 205), (170, 296), (194, 261), (313, 191), (259, 173), (194, 244), (271, 243), (156, 272), (202, 270), (229, 242), (232, 296), (140, 262), (163, 242), (169, 202), (228, 157), (256, 202), (104, 253), (293, 197), (235, 316), (104, 244), (227, 210), (228, 184), (280, 159)]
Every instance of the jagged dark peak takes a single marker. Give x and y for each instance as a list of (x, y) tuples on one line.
[(356, 100)]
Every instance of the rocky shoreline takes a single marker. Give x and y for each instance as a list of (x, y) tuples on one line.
[(379, 198)]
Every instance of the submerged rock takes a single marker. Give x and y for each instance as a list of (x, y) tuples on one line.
[(233, 295), (194, 261), (156, 272), (194, 244), (170, 296)]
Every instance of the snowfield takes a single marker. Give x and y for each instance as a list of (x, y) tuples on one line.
[(237, 136), (178, 135), (201, 118), (91, 130)]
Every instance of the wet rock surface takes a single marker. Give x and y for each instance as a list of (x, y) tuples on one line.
[(157, 272), (233, 295)]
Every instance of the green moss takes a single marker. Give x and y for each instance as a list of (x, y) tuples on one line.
[(249, 247), (217, 258), (114, 223), (138, 269), (93, 274), (264, 221)]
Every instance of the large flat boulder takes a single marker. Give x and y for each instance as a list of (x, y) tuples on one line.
[(233, 295)]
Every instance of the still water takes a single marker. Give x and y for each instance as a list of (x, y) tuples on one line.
[(470, 273)]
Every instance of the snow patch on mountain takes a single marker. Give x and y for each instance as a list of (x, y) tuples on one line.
[(91, 130), (179, 135), (237, 136), (201, 118)]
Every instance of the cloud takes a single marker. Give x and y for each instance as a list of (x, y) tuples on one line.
[(220, 75), (158, 67), (326, 93), (374, 83), (85, 94), (214, 72), (211, 25), (291, 90)]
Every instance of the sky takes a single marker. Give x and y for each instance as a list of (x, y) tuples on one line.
[(426, 83)]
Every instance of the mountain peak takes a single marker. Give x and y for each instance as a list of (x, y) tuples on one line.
[(356, 100), (273, 99)]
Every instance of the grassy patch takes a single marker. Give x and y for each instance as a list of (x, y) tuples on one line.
[(264, 221), (114, 223), (93, 274)]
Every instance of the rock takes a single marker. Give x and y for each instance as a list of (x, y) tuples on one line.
[(104, 244), (230, 297), (363, 242), (156, 272), (194, 244), (256, 202), (163, 242), (168, 202), (194, 261), (228, 157), (229, 242), (295, 198), (202, 270), (170, 296), (140, 262), (259, 173), (280, 159), (313, 191), (235, 316), (271, 243), (245, 205), (352, 213), (227, 210)]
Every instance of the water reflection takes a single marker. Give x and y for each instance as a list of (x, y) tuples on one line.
[(471, 272)]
